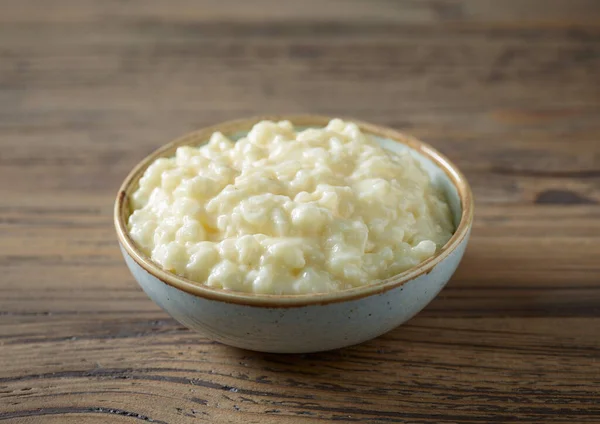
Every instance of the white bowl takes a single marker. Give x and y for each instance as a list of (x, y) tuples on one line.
[(302, 323)]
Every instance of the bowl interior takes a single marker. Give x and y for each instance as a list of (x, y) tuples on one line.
[(439, 178), (443, 174)]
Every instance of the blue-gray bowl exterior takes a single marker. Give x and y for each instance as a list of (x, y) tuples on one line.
[(299, 329)]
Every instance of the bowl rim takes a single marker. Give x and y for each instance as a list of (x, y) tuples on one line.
[(201, 136)]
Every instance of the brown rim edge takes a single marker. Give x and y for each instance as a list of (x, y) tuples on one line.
[(121, 212)]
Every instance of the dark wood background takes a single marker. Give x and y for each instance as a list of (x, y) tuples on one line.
[(509, 90)]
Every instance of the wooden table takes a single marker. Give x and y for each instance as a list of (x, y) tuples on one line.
[(509, 90)]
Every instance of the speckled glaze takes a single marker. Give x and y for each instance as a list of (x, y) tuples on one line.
[(304, 323)]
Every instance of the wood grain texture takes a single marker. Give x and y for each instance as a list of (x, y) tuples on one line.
[(509, 90)]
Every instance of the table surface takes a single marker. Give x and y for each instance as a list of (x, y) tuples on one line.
[(509, 90)]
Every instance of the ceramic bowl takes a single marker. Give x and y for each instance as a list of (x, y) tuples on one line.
[(312, 322)]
